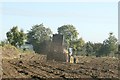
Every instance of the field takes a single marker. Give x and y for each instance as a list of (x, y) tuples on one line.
[(36, 67), (87, 68)]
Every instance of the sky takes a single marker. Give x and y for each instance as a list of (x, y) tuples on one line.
[(93, 20)]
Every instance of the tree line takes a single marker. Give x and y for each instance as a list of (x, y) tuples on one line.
[(39, 34)]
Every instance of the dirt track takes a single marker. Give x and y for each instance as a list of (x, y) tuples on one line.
[(34, 69)]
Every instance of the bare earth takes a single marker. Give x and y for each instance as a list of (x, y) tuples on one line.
[(87, 68)]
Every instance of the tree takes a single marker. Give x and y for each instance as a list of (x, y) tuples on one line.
[(110, 46), (69, 32), (89, 48), (96, 48), (16, 37), (78, 45), (38, 35)]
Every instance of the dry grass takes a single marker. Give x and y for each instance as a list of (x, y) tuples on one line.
[(9, 51)]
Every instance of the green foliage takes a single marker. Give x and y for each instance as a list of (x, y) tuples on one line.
[(69, 32), (96, 48), (110, 46), (89, 48), (16, 37), (38, 35), (78, 45)]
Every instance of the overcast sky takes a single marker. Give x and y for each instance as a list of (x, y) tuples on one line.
[(93, 20)]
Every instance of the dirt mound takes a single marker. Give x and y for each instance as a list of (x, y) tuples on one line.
[(9, 52)]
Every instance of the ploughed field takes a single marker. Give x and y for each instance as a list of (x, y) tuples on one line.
[(86, 68)]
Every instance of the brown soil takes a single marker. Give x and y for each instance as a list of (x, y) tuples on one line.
[(87, 68), (9, 52), (32, 66)]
